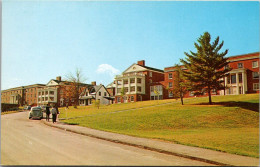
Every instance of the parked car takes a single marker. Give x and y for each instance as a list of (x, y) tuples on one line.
[(36, 113), (27, 108)]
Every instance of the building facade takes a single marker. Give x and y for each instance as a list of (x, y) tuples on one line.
[(242, 79), (95, 92), (134, 83), (24, 95), (244, 76)]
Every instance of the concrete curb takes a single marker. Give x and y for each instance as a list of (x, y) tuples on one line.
[(162, 147)]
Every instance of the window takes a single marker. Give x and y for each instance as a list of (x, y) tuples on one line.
[(51, 92), (126, 89), (233, 79), (105, 93), (132, 88), (119, 82), (256, 86), (170, 75), (228, 79), (139, 80), (255, 75), (132, 98), (170, 84), (240, 65), (46, 98), (170, 94), (255, 64), (150, 74), (132, 80), (152, 97), (51, 98), (118, 90), (118, 99), (152, 88), (39, 93), (160, 97), (46, 92), (139, 88), (99, 93), (125, 81), (226, 67)]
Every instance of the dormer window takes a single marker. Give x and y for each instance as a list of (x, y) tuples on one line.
[(240, 65)]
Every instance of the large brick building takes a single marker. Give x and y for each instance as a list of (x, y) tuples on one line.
[(23, 95), (242, 79), (136, 81), (146, 83)]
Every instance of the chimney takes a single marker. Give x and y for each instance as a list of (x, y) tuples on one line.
[(141, 63), (93, 83), (58, 78)]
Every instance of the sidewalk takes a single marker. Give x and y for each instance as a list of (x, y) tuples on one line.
[(195, 153)]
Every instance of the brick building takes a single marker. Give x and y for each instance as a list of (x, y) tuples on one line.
[(242, 79), (136, 81), (58, 92), (23, 95)]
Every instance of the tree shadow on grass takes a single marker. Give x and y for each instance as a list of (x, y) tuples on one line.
[(246, 105)]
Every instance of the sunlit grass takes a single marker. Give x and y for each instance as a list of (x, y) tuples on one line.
[(230, 125)]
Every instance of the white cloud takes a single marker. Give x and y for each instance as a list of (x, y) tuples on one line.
[(107, 69)]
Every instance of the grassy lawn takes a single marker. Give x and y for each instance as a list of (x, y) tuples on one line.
[(230, 125)]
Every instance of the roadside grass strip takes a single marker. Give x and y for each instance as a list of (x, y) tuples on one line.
[(230, 125)]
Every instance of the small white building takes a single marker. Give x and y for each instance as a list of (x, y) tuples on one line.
[(94, 92)]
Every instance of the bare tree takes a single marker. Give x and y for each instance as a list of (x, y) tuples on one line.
[(75, 81)]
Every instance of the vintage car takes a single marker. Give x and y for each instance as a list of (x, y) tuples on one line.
[(36, 113), (27, 108)]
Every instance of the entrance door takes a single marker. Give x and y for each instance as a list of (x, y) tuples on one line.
[(240, 90)]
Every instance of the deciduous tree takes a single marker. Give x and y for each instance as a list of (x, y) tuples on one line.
[(75, 82)]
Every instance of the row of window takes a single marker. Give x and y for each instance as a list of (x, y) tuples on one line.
[(132, 89), (125, 98), (46, 93), (156, 88), (239, 65), (160, 97), (132, 80), (46, 99), (105, 93)]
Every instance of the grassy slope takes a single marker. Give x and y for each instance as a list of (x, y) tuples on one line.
[(231, 125)]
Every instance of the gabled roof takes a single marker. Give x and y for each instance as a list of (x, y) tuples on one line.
[(143, 68)]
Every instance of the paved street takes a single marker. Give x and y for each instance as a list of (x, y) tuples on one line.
[(30, 142)]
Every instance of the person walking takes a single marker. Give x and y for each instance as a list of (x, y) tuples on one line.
[(57, 109), (47, 113), (54, 114)]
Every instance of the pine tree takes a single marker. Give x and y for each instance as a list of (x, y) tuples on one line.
[(204, 67)]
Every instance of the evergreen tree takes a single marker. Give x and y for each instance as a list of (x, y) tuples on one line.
[(204, 67)]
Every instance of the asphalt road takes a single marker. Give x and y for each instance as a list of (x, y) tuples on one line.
[(30, 142)]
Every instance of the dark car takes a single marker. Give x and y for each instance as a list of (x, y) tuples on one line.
[(27, 108), (36, 113)]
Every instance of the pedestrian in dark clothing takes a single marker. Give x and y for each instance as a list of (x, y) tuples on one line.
[(47, 113), (57, 109), (54, 114)]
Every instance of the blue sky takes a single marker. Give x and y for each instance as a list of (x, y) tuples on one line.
[(45, 39)]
